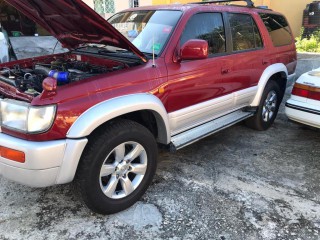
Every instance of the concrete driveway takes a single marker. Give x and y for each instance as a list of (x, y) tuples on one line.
[(238, 184)]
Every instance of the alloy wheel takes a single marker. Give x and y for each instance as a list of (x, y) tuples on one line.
[(269, 106), (123, 170)]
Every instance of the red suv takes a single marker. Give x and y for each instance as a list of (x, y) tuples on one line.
[(167, 75)]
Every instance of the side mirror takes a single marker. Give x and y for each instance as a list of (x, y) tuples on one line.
[(194, 49)]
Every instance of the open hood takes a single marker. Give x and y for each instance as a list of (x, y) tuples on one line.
[(73, 23)]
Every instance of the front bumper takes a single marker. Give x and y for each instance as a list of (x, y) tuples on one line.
[(303, 113), (47, 163)]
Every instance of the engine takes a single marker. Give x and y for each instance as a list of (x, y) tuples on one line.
[(29, 80)]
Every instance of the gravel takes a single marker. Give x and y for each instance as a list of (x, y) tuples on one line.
[(237, 184)]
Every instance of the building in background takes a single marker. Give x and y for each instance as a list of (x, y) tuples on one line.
[(17, 24), (106, 8), (292, 9)]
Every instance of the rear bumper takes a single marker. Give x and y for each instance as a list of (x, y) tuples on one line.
[(303, 113), (47, 163)]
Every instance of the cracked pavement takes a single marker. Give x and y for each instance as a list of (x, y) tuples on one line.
[(237, 184)]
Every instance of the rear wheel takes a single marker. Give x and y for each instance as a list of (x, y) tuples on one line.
[(117, 167), (267, 109)]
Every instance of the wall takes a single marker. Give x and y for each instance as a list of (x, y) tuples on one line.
[(89, 3), (124, 4), (292, 9), (119, 5)]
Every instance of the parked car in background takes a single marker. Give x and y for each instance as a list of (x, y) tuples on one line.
[(4, 46), (168, 75), (304, 104)]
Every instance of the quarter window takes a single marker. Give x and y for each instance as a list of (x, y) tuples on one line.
[(278, 29), (209, 27), (245, 33)]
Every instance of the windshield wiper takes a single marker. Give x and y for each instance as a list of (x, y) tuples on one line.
[(106, 51), (121, 54), (149, 54)]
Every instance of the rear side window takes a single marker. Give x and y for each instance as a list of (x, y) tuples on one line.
[(209, 27), (278, 29), (245, 33)]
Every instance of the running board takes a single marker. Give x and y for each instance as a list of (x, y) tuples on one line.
[(195, 134)]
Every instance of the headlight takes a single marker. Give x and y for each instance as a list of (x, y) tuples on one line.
[(22, 116)]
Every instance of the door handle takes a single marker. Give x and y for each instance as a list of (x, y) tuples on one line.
[(225, 70)]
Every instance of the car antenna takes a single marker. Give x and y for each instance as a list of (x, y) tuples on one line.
[(153, 55)]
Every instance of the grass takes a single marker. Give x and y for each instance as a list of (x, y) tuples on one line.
[(311, 44)]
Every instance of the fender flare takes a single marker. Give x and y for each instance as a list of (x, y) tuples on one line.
[(104, 111), (266, 75)]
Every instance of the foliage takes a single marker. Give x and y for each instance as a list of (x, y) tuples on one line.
[(311, 44)]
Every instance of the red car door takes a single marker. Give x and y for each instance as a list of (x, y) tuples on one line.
[(193, 83)]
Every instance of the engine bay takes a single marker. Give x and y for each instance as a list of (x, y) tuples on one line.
[(28, 77)]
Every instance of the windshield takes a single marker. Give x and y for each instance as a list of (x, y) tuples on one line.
[(147, 30)]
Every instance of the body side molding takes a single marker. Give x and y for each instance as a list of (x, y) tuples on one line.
[(109, 109), (268, 72), (200, 113)]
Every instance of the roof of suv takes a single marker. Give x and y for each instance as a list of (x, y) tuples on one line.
[(189, 6)]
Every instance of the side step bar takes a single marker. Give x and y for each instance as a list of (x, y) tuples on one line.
[(195, 134)]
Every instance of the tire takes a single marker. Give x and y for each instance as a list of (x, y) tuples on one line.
[(117, 166), (267, 109)]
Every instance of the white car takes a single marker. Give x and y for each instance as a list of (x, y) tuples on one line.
[(4, 48), (304, 103)]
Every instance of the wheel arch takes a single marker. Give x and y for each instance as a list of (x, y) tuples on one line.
[(136, 107), (276, 72)]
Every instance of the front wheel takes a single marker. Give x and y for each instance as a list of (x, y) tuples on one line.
[(117, 167), (267, 109)]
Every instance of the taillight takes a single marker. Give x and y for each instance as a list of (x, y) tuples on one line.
[(306, 91), (299, 91)]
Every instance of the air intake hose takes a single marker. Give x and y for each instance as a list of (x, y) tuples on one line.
[(41, 70), (62, 77)]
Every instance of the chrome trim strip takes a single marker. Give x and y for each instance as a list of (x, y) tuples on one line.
[(308, 110)]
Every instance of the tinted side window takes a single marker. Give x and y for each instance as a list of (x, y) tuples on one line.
[(278, 29), (245, 33), (209, 27)]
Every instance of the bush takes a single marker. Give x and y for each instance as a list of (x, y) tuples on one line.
[(311, 44)]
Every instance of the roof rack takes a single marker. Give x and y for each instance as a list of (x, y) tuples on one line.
[(249, 2)]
